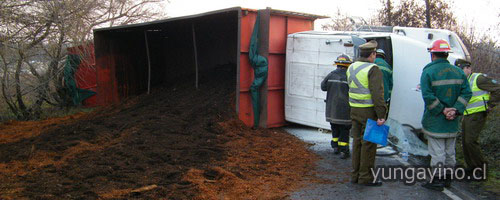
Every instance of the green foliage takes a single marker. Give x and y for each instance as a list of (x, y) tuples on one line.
[(412, 13), (5, 113), (408, 13), (490, 136), (490, 143)]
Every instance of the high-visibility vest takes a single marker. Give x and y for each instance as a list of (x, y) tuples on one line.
[(478, 102), (357, 78)]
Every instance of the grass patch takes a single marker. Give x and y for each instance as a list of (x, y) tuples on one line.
[(490, 141), (6, 115), (48, 112), (52, 112)]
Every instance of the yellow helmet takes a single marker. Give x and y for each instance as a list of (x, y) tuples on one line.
[(343, 60)]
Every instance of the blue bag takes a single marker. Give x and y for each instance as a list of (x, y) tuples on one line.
[(375, 133)]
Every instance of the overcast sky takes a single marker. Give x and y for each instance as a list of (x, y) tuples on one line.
[(482, 13)]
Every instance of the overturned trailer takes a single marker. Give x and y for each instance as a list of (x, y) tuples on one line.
[(132, 59)]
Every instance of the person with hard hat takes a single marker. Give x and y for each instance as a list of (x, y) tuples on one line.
[(386, 71), (366, 98), (485, 95), (337, 105), (446, 92)]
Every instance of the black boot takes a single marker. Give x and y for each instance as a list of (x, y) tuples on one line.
[(436, 185), (447, 181), (336, 150), (344, 154), (335, 147), (372, 184)]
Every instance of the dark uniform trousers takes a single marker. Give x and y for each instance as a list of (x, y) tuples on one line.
[(364, 152), (471, 127), (340, 136)]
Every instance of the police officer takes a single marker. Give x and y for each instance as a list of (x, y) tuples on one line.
[(366, 98), (337, 105), (386, 71), (445, 92), (485, 95)]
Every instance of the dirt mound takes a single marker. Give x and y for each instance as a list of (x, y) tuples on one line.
[(178, 143), (261, 164), (13, 131)]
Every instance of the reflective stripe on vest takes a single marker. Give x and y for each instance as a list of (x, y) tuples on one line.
[(357, 78), (447, 82), (337, 81), (478, 101)]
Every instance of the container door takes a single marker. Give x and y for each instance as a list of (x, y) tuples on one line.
[(310, 57), (409, 58)]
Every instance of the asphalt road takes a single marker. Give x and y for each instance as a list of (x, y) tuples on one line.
[(336, 173)]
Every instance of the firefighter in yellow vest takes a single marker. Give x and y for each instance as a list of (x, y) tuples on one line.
[(366, 98), (485, 95)]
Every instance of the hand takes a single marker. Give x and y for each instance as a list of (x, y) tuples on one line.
[(450, 113), (447, 110), (380, 122), (490, 108)]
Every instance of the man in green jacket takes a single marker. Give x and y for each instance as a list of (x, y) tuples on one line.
[(485, 95), (445, 91), (386, 71)]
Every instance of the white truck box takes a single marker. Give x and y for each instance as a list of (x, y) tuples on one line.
[(310, 57)]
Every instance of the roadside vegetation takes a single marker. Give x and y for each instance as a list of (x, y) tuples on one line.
[(34, 41)]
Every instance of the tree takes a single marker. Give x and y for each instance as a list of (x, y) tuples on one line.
[(484, 50), (410, 13), (34, 36), (389, 12), (427, 13), (343, 22), (441, 15), (339, 22)]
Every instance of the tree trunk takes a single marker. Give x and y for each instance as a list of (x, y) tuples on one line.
[(428, 13), (19, 96), (41, 96), (389, 13), (7, 99), (60, 95)]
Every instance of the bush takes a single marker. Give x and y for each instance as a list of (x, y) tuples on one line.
[(490, 136), (489, 141)]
